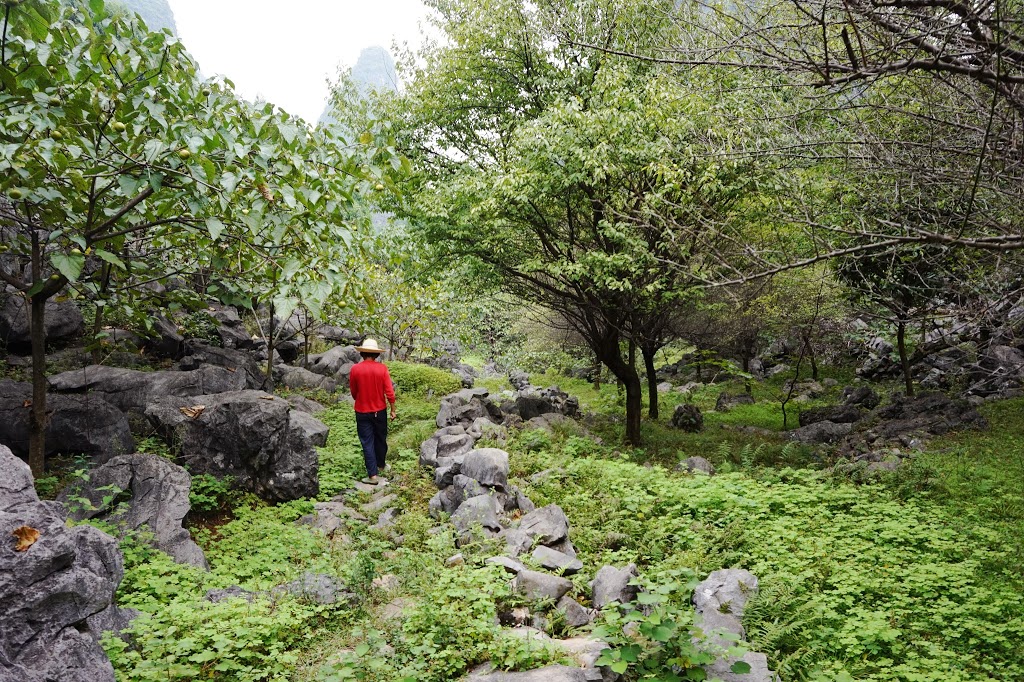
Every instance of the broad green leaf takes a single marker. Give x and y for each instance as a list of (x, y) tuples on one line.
[(68, 264), (215, 227), (111, 258)]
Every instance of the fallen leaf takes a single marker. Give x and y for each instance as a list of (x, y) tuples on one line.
[(27, 537), (266, 397), (231, 369), (192, 412), (27, 403)]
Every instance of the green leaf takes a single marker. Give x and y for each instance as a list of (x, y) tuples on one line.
[(215, 227), (362, 649), (661, 633), (111, 258), (69, 264), (619, 667), (740, 667)]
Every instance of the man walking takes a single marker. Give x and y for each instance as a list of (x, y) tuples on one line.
[(370, 384)]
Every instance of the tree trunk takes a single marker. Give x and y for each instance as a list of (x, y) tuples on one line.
[(652, 381), (810, 356), (610, 354), (269, 383), (901, 344), (97, 327), (597, 374), (37, 417)]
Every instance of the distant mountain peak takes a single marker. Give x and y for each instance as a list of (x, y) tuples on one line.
[(375, 69)]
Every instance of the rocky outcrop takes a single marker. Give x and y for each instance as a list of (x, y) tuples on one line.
[(131, 390), (137, 491), (63, 322), (57, 587), (248, 435), (87, 425)]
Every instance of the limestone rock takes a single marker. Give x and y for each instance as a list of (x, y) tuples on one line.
[(547, 525), (85, 424), (49, 591), (488, 466), (536, 585), (611, 584), (132, 390), (62, 319), (553, 560), (244, 434), (157, 497)]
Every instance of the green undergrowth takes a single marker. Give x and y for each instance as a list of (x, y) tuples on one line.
[(857, 583), (913, 578)]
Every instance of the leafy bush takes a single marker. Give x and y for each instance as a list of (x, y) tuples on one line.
[(230, 640), (210, 494), (665, 637), (415, 379)]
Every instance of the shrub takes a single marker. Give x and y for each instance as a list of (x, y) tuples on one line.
[(416, 379)]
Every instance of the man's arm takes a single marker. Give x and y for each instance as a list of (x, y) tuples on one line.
[(389, 390)]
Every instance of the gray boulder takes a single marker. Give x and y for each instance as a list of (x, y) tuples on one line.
[(298, 378), (248, 435), (317, 588), (611, 584), (480, 510), (546, 526), (303, 404), (196, 354), (311, 427), (50, 590), (553, 560), (551, 673), (233, 592), (838, 414), (727, 401), (86, 425), (720, 601), (328, 364), (444, 446), (861, 395), (132, 390), (575, 615), (820, 432), (488, 466), (535, 585), (63, 322), (153, 493), (165, 341), (692, 464)]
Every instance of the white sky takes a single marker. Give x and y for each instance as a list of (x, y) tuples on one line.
[(284, 50)]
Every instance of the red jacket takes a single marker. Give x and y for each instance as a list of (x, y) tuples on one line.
[(370, 382)]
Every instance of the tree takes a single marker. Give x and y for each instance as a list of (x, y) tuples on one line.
[(907, 285), (570, 175), (110, 144)]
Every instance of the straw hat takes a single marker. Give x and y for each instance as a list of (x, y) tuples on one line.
[(370, 346)]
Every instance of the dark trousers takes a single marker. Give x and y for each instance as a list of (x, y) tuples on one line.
[(372, 428)]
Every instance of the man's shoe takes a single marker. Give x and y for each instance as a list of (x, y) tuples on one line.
[(372, 480)]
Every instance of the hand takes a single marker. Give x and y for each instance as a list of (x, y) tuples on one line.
[(393, 415)]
